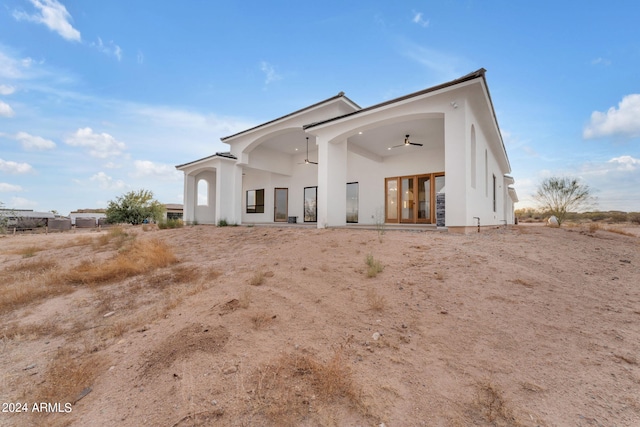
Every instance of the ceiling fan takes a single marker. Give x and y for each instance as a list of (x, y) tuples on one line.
[(406, 143), (306, 159)]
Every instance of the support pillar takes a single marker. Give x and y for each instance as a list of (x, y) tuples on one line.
[(332, 183)]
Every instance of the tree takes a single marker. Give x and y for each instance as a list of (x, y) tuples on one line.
[(561, 195), (134, 207)]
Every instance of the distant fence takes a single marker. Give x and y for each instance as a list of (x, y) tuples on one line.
[(45, 225)]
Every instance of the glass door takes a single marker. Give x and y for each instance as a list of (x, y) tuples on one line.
[(424, 198), (310, 204), (391, 200), (352, 202), (281, 205), (407, 199)]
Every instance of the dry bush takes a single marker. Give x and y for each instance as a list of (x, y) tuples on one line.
[(30, 281), (373, 266), (619, 231), (257, 279), (79, 241), (67, 376), (593, 227), (262, 319), (29, 251), (244, 299), (116, 236), (295, 387), (376, 301), (491, 403), (140, 257), (30, 331)]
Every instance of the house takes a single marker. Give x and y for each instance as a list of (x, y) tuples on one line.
[(172, 211), (334, 163)]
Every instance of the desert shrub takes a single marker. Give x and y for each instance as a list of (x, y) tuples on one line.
[(373, 266), (223, 223), (634, 217), (376, 301), (139, 257), (618, 217), (170, 223)]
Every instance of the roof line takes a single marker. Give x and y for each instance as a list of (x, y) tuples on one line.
[(339, 95), (468, 77), (225, 155)]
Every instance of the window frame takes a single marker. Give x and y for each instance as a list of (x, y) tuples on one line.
[(256, 207)]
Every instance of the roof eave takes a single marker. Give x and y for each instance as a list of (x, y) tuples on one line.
[(340, 95)]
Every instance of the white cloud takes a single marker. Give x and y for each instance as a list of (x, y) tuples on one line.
[(623, 121), (106, 182), (54, 15), (187, 120), (22, 203), (146, 168), (418, 19), (6, 89), (32, 142), (6, 110), (14, 167), (108, 49), (270, 73), (625, 163), (101, 145), (9, 188)]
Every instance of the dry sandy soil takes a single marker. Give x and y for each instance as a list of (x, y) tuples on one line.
[(261, 326)]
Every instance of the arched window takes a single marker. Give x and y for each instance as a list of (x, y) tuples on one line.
[(203, 192), (473, 156)]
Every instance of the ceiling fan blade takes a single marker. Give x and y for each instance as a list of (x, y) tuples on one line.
[(416, 143)]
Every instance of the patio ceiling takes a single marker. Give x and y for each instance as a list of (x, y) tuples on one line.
[(429, 132)]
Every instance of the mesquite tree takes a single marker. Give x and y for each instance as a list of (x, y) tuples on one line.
[(561, 195)]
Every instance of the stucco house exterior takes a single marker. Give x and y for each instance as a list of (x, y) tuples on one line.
[(431, 157)]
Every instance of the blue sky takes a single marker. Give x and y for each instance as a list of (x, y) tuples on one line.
[(99, 98)]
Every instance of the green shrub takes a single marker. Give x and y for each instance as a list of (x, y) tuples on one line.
[(170, 223)]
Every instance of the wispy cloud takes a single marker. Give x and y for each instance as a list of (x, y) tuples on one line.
[(445, 65), (110, 48), (10, 166), (52, 14), (147, 168), (9, 188), (621, 122), (140, 58), (100, 145), (32, 142), (106, 182), (7, 90), (22, 203), (6, 110), (601, 61), (269, 72), (419, 19)]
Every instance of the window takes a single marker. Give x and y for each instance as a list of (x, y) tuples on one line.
[(494, 193), (473, 157), (352, 202), (310, 204), (203, 192), (255, 201)]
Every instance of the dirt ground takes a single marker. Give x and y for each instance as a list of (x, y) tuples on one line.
[(253, 326)]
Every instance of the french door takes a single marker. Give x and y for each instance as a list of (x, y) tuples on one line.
[(411, 199)]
